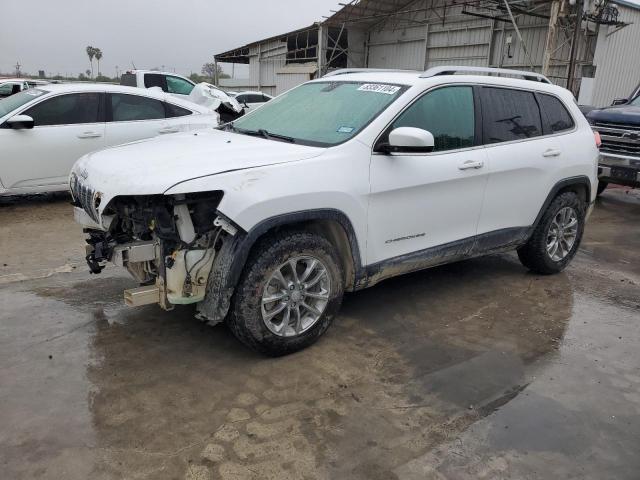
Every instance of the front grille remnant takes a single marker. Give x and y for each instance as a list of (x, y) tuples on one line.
[(83, 196), (619, 139)]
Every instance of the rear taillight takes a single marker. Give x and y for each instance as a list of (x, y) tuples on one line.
[(596, 135)]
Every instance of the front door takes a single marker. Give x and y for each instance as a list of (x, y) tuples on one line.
[(66, 127), (422, 201)]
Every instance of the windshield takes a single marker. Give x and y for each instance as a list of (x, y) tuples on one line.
[(321, 113), (9, 104)]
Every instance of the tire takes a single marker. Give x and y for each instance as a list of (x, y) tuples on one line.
[(534, 254), (602, 186), (276, 253)]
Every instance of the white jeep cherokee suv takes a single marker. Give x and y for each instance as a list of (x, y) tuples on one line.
[(335, 185)]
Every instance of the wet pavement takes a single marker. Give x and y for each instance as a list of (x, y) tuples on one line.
[(477, 370)]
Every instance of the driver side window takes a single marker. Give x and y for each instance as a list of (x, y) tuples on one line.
[(67, 109), (448, 113)]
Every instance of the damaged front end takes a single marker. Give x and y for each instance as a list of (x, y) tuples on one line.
[(167, 243)]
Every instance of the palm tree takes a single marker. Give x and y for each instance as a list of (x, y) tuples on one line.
[(98, 53), (90, 53)]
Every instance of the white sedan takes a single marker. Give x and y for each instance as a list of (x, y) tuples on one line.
[(251, 100), (44, 130)]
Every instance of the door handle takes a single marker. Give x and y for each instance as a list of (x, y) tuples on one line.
[(551, 152), (89, 135), (168, 130), (469, 164)]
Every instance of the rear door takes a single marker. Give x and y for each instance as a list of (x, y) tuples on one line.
[(66, 127), (523, 159), (134, 117), (421, 201)]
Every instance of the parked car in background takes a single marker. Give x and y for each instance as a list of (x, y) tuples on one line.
[(44, 130), (173, 84), (336, 185), (619, 129), (252, 100), (11, 86), (168, 82)]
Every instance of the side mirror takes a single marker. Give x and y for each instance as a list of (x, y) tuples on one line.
[(408, 140), (19, 122), (620, 101)]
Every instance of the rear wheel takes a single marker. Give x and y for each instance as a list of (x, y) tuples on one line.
[(556, 239), (288, 294)]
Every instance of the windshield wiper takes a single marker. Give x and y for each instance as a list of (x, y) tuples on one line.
[(265, 134)]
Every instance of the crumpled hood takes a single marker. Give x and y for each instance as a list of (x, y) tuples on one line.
[(627, 114), (153, 166)]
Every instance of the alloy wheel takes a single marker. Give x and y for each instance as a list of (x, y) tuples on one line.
[(295, 296), (562, 233)]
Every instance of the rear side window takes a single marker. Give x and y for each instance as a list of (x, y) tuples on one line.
[(556, 113), (509, 115), (255, 98), (126, 108), (448, 113), (176, 111), (67, 109)]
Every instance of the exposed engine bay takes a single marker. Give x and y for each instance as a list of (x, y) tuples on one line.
[(167, 243)]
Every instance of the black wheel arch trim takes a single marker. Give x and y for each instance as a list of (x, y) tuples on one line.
[(581, 180), (231, 259)]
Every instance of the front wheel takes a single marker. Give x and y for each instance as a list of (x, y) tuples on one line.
[(556, 238), (289, 292)]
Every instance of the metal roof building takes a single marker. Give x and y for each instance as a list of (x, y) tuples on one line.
[(591, 47)]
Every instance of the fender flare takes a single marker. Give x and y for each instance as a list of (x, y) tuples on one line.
[(581, 180), (230, 261)]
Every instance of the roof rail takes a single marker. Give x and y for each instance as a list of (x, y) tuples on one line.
[(452, 70), (344, 71)]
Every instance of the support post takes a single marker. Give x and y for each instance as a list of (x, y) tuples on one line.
[(571, 70), (551, 36)]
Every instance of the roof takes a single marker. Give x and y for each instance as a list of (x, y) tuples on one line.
[(172, 74), (367, 12), (411, 78), (241, 54)]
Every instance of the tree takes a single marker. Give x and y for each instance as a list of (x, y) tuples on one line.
[(98, 53), (90, 53), (209, 70)]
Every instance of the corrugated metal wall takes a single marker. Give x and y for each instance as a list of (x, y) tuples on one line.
[(264, 59), (443, 35), (286, 81), (617, 59)]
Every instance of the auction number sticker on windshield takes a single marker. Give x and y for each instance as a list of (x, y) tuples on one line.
[(379, 88)]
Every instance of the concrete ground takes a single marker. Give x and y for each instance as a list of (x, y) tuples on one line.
[(477, 370)]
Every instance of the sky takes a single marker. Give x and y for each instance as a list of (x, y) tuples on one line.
[(182, 35)]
